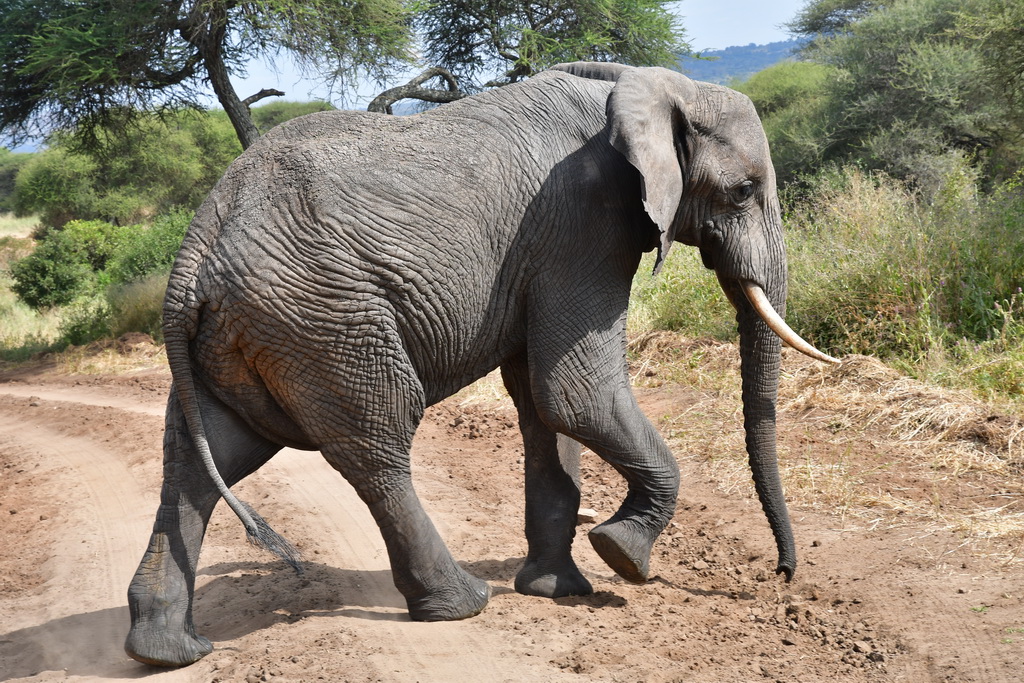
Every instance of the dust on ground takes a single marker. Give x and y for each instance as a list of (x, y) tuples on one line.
[(906, 503)]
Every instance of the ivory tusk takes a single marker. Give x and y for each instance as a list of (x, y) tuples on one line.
[(760, 302)]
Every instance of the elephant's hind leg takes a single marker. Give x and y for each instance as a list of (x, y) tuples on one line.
[(552, 463), (424, 571), (160, 594)]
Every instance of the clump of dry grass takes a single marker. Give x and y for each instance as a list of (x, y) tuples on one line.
[(866, 392), (860, 441), (128, 353), (965, 457), (486, 391), (659, 356)]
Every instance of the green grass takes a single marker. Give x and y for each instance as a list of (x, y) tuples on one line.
[(11, 225)]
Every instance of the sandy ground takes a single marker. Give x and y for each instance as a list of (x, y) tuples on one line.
[(79, 481)]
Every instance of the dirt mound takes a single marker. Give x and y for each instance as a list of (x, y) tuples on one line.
[(869, 392)]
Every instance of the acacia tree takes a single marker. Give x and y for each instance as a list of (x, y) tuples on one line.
[(998, 26), (79, 64), (909, 91), (828, 17), (513, 39)]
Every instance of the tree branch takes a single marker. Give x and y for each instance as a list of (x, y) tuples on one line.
[(381, 104), (265, 92)]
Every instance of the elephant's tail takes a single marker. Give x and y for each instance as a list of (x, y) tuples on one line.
[(181, 315)]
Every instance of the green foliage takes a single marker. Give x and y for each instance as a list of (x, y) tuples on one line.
[(516, 39), (908, 78), (911, 89), (10, 164), (66, 264), (996, 26), (791, 99), (132, 173), (108, 279), (684, 296), (149, 249), (74, 64), (828, 17), (85, 320), (273, 113), (875, 270), (56, 185), (137, 306)]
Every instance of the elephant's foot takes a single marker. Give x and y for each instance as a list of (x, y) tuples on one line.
[(463, 598), (158, 647), (625, 547), (547, 581)]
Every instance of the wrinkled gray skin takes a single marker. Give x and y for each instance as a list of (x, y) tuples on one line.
[(351, 269)]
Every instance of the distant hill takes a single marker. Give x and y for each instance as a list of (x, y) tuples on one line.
[(739, 62)]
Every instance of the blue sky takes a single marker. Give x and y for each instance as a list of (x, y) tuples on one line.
[(717, 24), (710, 24)]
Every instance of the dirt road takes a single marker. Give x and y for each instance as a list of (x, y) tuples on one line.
[(79, 479)]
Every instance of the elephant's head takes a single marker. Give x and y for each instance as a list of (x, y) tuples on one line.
[(708, 181)]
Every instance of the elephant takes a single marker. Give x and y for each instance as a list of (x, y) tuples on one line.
[(351, 269)]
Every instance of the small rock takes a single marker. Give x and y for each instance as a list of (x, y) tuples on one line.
[(876, 657), (586, 516), (815, 544), (787, 641), (862, 646), (961, 591), (700, 565)]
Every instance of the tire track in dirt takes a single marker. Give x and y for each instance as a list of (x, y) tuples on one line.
[(102, 526), (106, 521), (307, 493), (91, 396)]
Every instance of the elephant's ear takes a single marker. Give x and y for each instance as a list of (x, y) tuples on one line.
[(647, 125)]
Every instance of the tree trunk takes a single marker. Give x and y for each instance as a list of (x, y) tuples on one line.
[(207, 32), (237, 111)]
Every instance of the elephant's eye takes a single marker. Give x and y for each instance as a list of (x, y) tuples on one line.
[(742, 192)]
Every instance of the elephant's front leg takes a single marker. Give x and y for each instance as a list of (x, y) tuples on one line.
[(584, 392), (552, 463)]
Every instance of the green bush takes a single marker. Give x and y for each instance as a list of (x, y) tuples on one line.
[(791, 98), (10, 164), (85, 320), (146, 250), (276, 112), (138, 306), (57, 185), (876, 269), (684, 296), (136, 173), (66, 264)]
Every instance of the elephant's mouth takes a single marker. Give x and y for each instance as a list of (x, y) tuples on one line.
[(756, 296)]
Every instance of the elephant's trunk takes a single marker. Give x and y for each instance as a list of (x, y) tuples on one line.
[(759, 366)]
